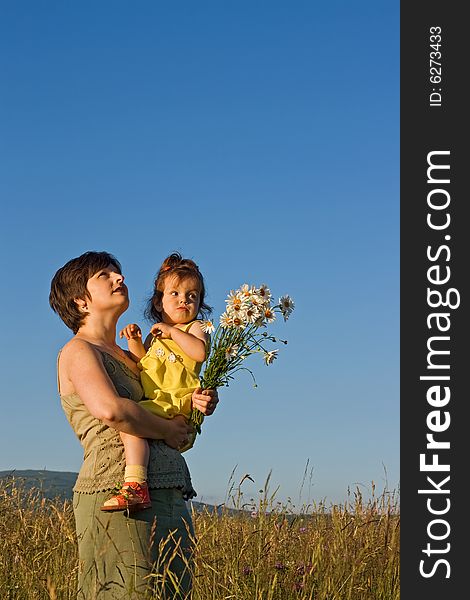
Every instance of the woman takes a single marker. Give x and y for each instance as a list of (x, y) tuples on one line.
[(121, 554)]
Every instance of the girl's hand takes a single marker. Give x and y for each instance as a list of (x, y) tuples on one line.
[(178, 432), (131, 332), (205, 400), (161, 330)]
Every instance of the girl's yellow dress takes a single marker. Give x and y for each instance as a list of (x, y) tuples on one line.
[(169, 377)]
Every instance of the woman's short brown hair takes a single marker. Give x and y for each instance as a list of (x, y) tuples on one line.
[(181, 268), (70, 283)]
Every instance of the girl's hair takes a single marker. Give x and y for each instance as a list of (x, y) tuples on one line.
[(181, 268), (70, 282)]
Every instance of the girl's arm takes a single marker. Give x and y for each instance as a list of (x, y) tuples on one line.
[(81, 371), (192, 342), (133, 335)]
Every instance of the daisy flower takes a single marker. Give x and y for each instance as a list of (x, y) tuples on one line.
[(257, 300), (286, 304), (269, 315), (237, 310), (231, 352), (207, 327), (264, 292), (238, 322), (233, 298), (269, 357), (226, 320), (246, 290), (252, 314), (237, 304)]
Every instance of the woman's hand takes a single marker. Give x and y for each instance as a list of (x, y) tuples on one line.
[(178, 432), (205, 400)]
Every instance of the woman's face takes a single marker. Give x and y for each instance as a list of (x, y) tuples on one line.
[(107, 290)]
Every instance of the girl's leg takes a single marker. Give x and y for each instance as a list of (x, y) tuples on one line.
[(136, 453), (134, 494)]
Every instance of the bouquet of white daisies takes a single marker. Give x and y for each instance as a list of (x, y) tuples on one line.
[(242, 331)]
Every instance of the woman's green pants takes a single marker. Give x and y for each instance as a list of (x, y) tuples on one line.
[(147, 554)]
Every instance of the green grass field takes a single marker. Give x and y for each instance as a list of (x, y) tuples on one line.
[(347, 552)]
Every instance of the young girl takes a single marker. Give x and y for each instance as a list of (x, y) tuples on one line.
[(170, 360)]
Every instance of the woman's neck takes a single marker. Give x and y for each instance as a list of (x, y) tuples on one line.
[(105, 339), (99, 331)]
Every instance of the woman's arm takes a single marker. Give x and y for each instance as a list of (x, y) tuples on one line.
[(81, 367)]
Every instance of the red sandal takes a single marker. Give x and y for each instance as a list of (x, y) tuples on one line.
[(132, 496)]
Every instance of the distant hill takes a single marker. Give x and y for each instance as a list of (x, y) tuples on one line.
[(59, 484), (52, 484)]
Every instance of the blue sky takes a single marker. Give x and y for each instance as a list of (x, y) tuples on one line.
[(260, 139)]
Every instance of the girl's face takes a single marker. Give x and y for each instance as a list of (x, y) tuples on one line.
[(180, 300)]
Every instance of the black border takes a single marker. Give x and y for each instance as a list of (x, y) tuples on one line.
[(423, 129)]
